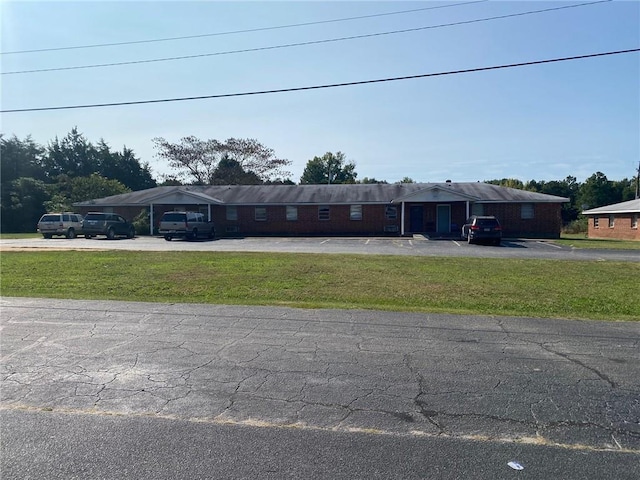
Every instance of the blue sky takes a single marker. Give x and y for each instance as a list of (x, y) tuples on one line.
[(541, 122)]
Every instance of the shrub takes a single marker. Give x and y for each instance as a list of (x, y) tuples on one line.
[(577, 226), (141, 222)]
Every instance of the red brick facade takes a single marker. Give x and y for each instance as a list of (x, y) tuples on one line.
[(376, 219), (615, 226)]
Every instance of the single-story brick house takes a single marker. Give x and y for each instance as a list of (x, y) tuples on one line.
[(435, 209), (619, 221)]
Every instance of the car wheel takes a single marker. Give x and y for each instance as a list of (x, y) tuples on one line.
[(212, 234), (87, 236), (167, 238), (111, 234), (131, 233), (194, 234), (497, 242), (47, 235), (71, 233)]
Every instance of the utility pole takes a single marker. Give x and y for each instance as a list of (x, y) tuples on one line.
[(638, 182)]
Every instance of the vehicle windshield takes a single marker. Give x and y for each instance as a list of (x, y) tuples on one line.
[(173, 217)]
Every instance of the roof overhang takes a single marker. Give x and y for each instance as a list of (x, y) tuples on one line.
[(434, 194)]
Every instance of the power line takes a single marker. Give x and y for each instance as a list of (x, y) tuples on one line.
[(250, 30), (314, 42), (334, 85)]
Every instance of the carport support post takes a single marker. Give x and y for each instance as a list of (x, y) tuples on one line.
[(467, 216), (151, 219), (402, 220), (209, 211)]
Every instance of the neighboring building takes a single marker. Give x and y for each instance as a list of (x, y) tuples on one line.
[(618, 221), (435, 209)]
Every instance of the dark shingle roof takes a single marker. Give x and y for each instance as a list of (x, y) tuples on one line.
[(319, 194)]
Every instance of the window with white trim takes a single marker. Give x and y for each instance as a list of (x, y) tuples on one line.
[(323, 212), (355, 212), (612, 221), (596, 222), (232, 212), (292, 213), (261, 214), (634, 221), (526, 211)]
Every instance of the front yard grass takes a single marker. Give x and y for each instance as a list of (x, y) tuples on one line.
[(580, 240), (530, 288)]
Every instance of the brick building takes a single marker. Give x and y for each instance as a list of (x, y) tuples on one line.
[(618, 221), (434, 209)]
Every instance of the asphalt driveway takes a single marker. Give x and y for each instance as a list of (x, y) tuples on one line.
[(417, 246)]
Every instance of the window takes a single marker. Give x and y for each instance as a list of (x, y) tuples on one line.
[(612, 221), (232, 213), (355, 212), (391, 212), (323, 212), (596, 222), (292, 213), (634, 221), (526, 211), (261, 214), (477, 209)]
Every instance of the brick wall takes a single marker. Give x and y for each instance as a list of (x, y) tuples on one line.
[(546, 221), (622, 228)]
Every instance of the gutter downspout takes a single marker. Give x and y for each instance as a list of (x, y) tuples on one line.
[(402, 221), (209, 211), (467, 210), (151, 219)]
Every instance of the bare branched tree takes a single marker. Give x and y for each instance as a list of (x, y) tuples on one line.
[(198, 160)]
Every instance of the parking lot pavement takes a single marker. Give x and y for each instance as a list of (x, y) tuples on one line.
[(533, 381), (416, 246)]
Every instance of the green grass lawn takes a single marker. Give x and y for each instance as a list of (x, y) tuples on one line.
[(536, 288), (580, 240)]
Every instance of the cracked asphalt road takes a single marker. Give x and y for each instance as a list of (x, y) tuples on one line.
[(536, 381)]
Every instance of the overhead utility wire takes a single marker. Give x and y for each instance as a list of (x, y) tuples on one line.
[(317, 87), (249, 30), (300, 44)]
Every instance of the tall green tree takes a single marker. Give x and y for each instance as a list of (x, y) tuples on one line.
[(330, 168), (596, 191), (20, 158), (22, 204)]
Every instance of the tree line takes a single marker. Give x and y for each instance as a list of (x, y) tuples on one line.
[(36, 179)]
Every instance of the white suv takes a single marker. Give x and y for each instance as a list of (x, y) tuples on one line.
[(67, 224)]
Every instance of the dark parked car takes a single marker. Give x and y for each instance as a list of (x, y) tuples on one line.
[(479, 228), (109, 224)]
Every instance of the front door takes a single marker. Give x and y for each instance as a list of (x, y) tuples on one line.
[(443, 219), (416, 218)]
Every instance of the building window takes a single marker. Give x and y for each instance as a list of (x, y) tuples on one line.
[(261, 214), (232, 213), (596, 222), (355, 212), (292, 213), (477, 209), (634, 221), (526, 211), (612, 221), (391, 212), (323, 212)]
